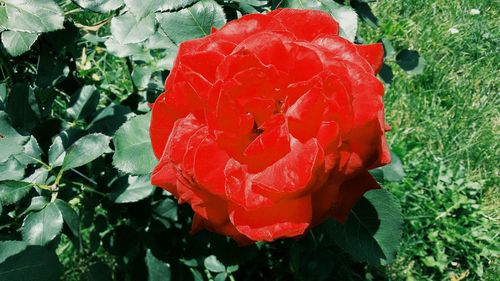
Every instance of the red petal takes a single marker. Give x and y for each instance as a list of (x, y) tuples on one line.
[(206, 205), (177, 142), (269, 146), (191, 147), (169, 107), (373, 54), (165, 176), (306, 62), (204, 63), (239, 188), (306, 24), (328, 136), (340, 48), (286, 218), (268, 47), (305, 115), (162, 121), (186, 47), (209, 164), (293, 172), (238, 30), (350, 192), (221, 46)]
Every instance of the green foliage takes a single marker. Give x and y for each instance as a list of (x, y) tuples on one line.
[(133, 151), (196, 20), (67, 88), (41, 227), (371, 229)]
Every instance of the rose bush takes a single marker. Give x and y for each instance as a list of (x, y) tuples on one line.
[(269, 125)]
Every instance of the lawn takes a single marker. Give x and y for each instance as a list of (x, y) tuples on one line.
[(445, 127)]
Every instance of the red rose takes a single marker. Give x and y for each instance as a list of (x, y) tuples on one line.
[(270, 125)]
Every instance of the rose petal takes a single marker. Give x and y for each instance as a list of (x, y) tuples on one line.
[(293, 172), (268, 147), (305, 115), (373, 54), (306, 63), (340, 48), (165, 176), (181, 133), (286, 218), (239, 187), (209, 164), (268, 48), (238, 30), (204, 63), (169, 107)]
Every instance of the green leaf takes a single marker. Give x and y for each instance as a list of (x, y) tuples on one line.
[(13, 191), (22, 107), (51, 70), (3, 95), (17, 43), (57, 150), (373, 229), (41, 227), (11, 169), (160, 40), (393, 172), (85, 150), (365, 12), (157, 269), (213, 264), (70, 216), (410, 61), (11, 142), (127, 29), (109, 119), (144, 7), (100, 6), (141, 76), (124, 50), (389, 50), (31, 152), (10, 248), (344, 15), (35, 263), (175, 5), (220, 276), (83, 103), (32, 15), (133, 150), (251, 6), (196, 21), (129, 189), (38, 176), (166, 209), (37, 203)]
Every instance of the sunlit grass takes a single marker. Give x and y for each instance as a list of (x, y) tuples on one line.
[(445, 119)]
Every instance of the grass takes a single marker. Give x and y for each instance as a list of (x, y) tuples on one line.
[(445, 126)]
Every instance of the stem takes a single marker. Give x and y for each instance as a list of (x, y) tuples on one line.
[(88, 188), (84, 176), (4, 61)]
